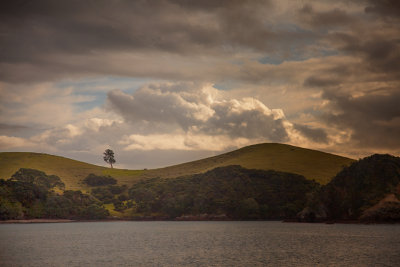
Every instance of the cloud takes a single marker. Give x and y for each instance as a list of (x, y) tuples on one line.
[(8, 142), (372, 119), (315, 134), (329, 18), (200, 109), (384, 8), (186, 141), (11, 128), (328, 65), (38, 40)]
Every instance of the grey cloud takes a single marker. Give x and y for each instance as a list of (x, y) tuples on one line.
[(155, 106), (4, 127), (17, 130), (43, 35), (384, 8), (380, 53), (252, 123), (373, 119), (374, 58), (335, 17), (76, 27), (316, 81), (315, 134)]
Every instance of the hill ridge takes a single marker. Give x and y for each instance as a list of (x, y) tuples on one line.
[(266, 156)]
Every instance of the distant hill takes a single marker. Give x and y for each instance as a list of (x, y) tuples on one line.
[(311, 164)]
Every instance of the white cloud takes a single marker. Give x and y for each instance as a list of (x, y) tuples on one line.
[(200, 109), (188, 141)]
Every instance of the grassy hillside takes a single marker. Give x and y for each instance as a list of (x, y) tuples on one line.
[(309, 163), (71, 172)]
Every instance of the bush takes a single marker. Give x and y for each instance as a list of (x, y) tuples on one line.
[(95, 180), (10, 210), (103, 194), (38, 178)]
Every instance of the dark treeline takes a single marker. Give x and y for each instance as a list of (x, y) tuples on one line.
[(355, 189), (233, 191), (96, 180), (33, 194)]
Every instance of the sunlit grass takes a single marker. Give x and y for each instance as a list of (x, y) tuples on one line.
[(70, 171), (310, 163)]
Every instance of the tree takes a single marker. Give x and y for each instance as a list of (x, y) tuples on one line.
[(109, 157)]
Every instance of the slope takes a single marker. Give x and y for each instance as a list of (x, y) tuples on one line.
[(312, 164), (71, 172)]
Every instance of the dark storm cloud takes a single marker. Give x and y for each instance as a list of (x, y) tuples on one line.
[(335, 17), (35, 27), (315, 134), (384, 8), (373, 119), (316, 81), (381, 52), (46, 40), (42, 27), (11, 128)]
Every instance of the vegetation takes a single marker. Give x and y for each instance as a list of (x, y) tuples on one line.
[(310, 163), (109, 193), (355, 192), (29, 194), (96, 180), (109, 157), (71, 172), (361, 185), (233, 191), (367, 190), (38, 178)]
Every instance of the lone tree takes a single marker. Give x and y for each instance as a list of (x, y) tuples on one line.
[(109, 157)]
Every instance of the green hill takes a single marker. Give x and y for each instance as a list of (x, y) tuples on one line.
[(310, 163)]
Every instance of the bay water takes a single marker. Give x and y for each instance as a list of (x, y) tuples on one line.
[(169, 243)]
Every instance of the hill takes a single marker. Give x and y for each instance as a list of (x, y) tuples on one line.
[(72, 172), (311, 164)]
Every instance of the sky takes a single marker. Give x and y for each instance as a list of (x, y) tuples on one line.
[(169, 81)]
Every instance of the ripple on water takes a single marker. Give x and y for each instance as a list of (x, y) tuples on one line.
[(198, 244)]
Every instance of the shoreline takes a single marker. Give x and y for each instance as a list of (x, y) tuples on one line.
[(37, 221), (147, 219)]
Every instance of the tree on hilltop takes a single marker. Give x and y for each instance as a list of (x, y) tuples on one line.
[(109, 157)]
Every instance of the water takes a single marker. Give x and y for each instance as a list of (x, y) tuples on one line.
[(198, 244)]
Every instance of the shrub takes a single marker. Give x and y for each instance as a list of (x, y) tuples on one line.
[(95, 180)]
